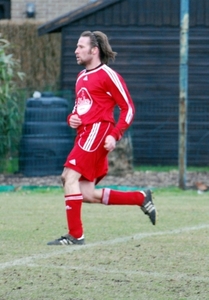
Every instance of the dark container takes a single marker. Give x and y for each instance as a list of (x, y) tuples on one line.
[(46, 137)]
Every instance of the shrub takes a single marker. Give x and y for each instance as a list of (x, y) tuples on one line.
[(10, 116), (39, 55)]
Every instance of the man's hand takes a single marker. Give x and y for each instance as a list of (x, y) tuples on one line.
[(74, 121), (110, 143)]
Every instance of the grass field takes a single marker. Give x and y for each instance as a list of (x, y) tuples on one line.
[(125, 256)]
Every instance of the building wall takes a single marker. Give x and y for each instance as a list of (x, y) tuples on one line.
[(148, 59), (46, 10)]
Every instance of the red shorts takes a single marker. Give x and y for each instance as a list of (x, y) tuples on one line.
[(88, 156)]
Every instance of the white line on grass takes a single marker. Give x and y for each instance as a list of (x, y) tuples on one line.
[(69, 249)]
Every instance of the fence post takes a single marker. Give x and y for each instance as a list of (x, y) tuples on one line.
[(183, 91)]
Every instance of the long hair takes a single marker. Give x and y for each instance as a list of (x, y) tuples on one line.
[(100, 40)]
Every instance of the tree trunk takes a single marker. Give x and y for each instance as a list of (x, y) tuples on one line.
[(121, 159)]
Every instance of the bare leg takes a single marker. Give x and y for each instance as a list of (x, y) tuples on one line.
[(90, 193), (70, 179)]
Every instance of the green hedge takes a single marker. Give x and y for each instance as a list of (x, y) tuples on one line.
[(39, 55), (39, 59)]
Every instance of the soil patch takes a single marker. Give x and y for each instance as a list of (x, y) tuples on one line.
[(141, 179)]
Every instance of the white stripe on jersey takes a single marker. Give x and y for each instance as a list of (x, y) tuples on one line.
[(90, 140), (112, 74), (92, 137)]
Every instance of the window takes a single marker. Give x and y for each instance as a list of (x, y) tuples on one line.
[(5, 8)]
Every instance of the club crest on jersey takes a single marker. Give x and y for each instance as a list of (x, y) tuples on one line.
[(84, 101)]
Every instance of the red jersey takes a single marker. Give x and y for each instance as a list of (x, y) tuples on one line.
[(98, 91)]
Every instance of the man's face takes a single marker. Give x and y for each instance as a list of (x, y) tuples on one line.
[(83, 51)]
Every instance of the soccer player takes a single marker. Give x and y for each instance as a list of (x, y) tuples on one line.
[(98, 90)]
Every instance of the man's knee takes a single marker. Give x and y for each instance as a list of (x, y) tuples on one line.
[(69, 176)]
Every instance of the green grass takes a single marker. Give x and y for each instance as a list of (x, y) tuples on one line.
[(125, 256), (159, 168)]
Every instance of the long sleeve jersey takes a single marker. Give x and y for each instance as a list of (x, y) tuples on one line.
[(98, 91)]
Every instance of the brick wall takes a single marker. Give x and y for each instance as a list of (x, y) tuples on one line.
[(46, 10)]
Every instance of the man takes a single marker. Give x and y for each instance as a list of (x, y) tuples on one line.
[(98, 90)]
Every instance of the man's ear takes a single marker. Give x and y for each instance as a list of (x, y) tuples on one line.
[(94, 50)]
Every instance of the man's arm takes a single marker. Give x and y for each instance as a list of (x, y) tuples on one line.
[(122, 97)]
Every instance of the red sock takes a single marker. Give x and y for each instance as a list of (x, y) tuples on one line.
[(112, 197), (73, 205)]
